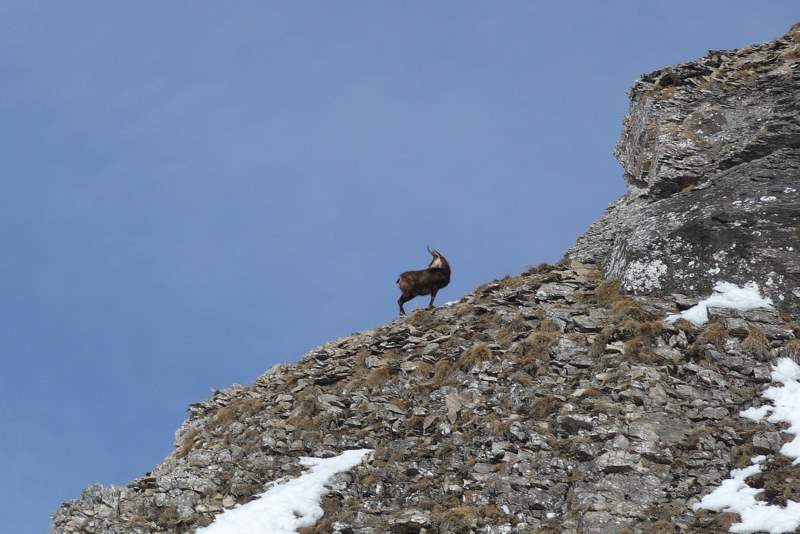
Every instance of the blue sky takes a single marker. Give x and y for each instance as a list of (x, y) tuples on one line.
[(194, 191)]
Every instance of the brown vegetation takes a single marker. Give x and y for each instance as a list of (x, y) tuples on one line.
[(474, 356), (792, 349), (542, 407), (442, 374), (378, 376), (459, 519), (780, 481), (756, 342), (187, 442)]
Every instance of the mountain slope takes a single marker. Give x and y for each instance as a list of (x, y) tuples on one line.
[(558, 400), (548, 400)]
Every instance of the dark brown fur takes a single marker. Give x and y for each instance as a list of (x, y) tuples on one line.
[(425, 282)]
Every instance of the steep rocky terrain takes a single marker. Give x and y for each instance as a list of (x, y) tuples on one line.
[(549, 402), (711, 153), (557, 400)]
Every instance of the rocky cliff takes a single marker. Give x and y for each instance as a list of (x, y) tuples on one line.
[(558, 400), (711, 153)]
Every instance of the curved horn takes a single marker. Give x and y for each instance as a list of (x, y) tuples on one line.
[(429, 250)]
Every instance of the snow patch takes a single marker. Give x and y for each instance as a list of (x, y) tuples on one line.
[(785, 406), (289, 505), (734, 494), (726, 295)]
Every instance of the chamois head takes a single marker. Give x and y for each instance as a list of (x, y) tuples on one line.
[(437, 260), (425, 282)]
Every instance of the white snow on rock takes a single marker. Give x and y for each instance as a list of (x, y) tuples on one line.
[(734, 494), (289, 505), (785, 406), (726, 295)]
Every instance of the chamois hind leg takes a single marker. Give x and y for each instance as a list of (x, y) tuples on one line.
[(433, 296)]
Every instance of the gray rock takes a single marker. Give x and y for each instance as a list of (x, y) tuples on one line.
[(616, 461), (766, 442), (711, 153)]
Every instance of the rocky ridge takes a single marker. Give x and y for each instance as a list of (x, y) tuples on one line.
[(711, 154), (557, 400), (548, 402)]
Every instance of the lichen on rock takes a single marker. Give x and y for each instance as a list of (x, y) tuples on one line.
[(711, 154)]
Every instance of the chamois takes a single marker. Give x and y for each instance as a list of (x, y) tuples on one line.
[(425, 282)]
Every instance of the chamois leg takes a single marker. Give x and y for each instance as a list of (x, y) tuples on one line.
[(433, 296), (403, 299)]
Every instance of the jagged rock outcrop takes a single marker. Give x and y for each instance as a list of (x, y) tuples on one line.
[(711, 154), (552, 401)]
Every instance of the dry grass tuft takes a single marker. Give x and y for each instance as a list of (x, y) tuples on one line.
[(713, 334), (498, 426), (325, 525), (542, 407), (306, 406), (600, 341), (464, 519), (543, 267), (608, 292), (442, 374), (506, 336), (535, 348), (756, 342), (630, 308), (651, 329), (688, 327), (638, 350), (549, 325), (187, 442), (780, 482), (378, 376), (168, 516), (521, 377), (474, 356), (629, 328), (603, 406), (741, 455), (359, 359), (236, 410), (303, 422), (794, 326), (792, 350), (425, 319), (512, 331), (661, 519), (424, 369)]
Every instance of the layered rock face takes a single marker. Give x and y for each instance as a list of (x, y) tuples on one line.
[(555, 401), (711, 154)]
